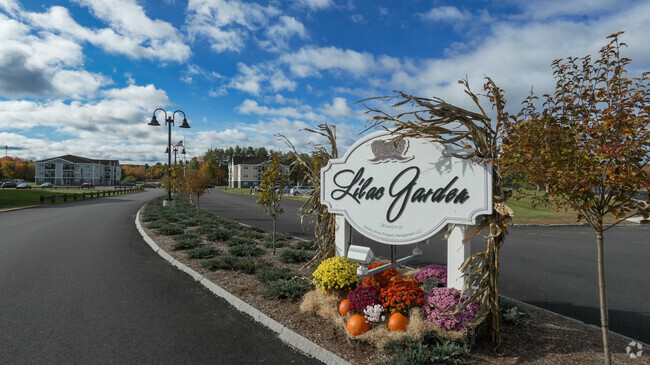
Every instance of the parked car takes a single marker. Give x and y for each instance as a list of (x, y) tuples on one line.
[(9, 184), (149, 185), (128, 183), (87, 185), (47, 185), (23, 186), (300, 190)]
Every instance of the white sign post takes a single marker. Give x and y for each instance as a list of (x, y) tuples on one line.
[(403, 191)]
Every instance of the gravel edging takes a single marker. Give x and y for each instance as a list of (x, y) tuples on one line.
[(285, 334)]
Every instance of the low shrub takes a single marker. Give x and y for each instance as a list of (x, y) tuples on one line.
[(149, 217), (410, 352), (269, 243), (407, 352), (295, 256), (249, 233), (190, 222), (205, 252), (286, 289), (246, 250), (446, 351), (236, 241), (170, 230), (305, 245), (154, 225), (273, 273), (219, 234), (510, 312), (207, 228), (244, 264), (186, 243)]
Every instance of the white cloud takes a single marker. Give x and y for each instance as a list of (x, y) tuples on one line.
[(226, 24), (446, 14), (77, 84), (131, 32), (249, 79), (253, 79), (119, 117), (252, 107), (309, 61), (338, 109), (10, 6), (518, 55), (279, 34), (42, 65), (315, 4), (555, 8)]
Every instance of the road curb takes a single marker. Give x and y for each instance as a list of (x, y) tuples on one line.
[(285, 334)]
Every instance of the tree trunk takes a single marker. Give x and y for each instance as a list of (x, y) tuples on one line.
[(602, 289), (274, 220), (198, 210)]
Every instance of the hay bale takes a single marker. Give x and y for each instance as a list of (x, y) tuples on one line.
[(326, 306), (323, 305)]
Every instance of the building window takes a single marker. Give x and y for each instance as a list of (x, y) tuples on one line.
[(245, 167), (245, 175)]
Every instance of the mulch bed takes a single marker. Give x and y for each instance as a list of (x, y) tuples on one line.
[(541, 337)]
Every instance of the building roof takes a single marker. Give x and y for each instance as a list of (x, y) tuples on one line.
[(79, 159), (249, 160)]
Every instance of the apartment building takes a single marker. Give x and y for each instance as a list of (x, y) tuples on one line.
[(75, 170)]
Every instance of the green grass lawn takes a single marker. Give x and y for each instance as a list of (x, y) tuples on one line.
[(525, 213), (12, 198)]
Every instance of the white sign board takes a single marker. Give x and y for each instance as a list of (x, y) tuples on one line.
[(404, 192)]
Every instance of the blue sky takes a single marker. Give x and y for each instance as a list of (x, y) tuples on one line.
[(84, 76)]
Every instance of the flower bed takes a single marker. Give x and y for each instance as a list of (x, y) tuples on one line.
[(387, 293)]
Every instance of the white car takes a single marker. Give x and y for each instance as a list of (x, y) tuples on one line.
[(300, 190)]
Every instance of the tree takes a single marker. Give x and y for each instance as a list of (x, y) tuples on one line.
[(273, 181), (588, 146), (193, 164), (196, 183)]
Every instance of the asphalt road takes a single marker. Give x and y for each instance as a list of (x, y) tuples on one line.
[(78, 285), (550, 267)]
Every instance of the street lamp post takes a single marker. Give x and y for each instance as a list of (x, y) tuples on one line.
[(169, 121)]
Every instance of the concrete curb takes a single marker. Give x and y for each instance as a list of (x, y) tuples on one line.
[(20, 208), (285, 334)]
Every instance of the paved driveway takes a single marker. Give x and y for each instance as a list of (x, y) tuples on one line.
[(80, 286)]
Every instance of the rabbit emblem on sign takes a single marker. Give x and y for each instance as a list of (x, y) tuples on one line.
[(390, 151)]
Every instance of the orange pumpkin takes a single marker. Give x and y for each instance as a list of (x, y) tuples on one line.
[(397, 322), (358, 325), (344, 307)]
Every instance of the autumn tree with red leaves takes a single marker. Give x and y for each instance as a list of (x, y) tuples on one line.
[(588, 146)]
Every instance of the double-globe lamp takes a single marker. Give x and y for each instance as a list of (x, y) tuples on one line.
[(169, 121)]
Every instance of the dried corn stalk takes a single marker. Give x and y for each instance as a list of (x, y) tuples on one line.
[(312, 209), (457, 128)]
